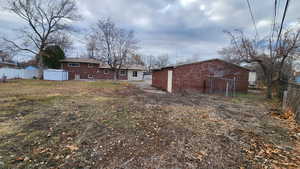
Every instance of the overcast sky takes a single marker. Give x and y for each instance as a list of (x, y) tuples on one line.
[(182, 28)]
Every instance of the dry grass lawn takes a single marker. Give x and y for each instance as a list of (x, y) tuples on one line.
[(110, 125)]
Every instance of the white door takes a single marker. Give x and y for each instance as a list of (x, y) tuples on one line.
[(77, 77), (170, 79)]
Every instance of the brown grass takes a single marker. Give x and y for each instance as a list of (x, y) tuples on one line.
[(107, 124)]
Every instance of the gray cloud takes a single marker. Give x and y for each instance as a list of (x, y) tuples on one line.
[(182, 28)]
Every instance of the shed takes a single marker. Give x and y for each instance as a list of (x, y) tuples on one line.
[(214, 75), (55, 75)]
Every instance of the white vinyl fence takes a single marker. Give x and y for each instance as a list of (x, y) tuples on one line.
[(56, 75), (12, 73)]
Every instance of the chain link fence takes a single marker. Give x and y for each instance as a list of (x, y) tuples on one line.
[(291, 99), (220, 85)]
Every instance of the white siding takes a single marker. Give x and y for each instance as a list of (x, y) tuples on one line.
[(139, 75), (170, 81), (252, 78), (56, 75), (12, 73)]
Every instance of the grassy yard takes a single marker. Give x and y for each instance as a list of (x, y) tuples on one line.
[(110, 125)]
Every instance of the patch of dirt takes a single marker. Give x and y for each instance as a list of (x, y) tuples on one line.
[(117, 125)]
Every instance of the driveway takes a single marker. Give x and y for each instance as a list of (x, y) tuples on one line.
[(146, 86)]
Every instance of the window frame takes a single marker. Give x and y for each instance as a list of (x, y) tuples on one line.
[(90, 76), (105, 71), (135, 74), (72, 64), (122, 74), (91, 65)]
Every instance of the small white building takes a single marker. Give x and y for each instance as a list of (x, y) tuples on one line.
[(135, 75), (135, 72), (252, 78), (55, 75)]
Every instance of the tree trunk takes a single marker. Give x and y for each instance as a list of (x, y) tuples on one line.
[(41, 66), (115, 75), (269, 90)]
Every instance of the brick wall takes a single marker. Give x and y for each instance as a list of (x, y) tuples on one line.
[(195, 76), (160, 79), (84, 71)]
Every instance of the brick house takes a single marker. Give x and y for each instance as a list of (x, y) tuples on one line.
[(84, 68), (8, 65), (203, 76)]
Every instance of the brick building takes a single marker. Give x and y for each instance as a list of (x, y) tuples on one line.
[(8, 65), (84, 68), (211, 75)]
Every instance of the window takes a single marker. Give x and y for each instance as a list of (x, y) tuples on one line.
[(134, 74), (122, 72), (90, 65), (90, 76), (105, 71), (74, 65)]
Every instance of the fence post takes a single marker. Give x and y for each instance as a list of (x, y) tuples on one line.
[(234, 86), (227, 89)]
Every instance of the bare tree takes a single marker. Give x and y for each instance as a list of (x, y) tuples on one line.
[(4, 56), (44, 19), (153, 62), (162, 60), (61, 39), (91, 46), (114, 44), (149, 61), (230, 55), (135, 59), (274, 57)]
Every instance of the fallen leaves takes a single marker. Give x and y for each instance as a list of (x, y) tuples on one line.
[(274, 155), (200, 155), (72, 147), (158, 131)]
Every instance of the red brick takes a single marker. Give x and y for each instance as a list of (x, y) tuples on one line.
[(95, 71), (195, 76)]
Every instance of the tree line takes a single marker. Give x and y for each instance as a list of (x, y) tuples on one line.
[(47, 32), (273, 58)]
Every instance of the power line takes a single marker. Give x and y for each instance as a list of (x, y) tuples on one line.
[(252, 17), (282, 21), (274, 19)]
